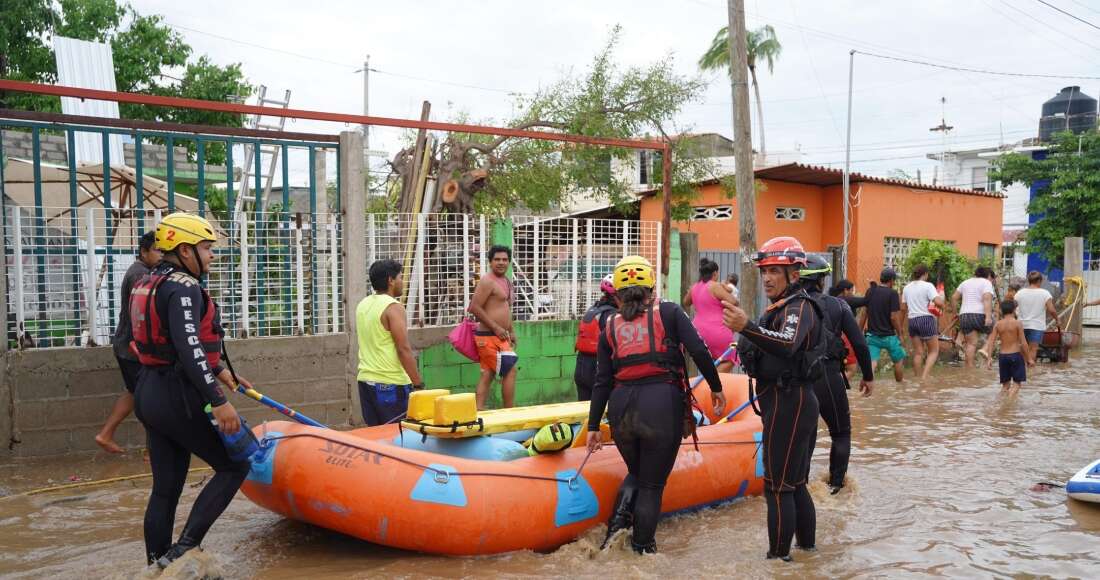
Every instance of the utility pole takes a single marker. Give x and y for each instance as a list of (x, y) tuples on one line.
[(847, 172), (742, 154), (366, 103)]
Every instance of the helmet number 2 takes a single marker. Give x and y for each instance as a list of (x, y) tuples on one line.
[(170, 235)]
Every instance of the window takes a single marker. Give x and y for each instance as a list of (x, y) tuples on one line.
[(979, 180), (711, 213), (649, 167), (896, 250), (987, 252), (1008, 258), (790, 213)]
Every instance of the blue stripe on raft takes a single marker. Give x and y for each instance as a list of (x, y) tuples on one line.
[(448, 492), (726, 500), (263, 461), (576, 504), (758, 437)]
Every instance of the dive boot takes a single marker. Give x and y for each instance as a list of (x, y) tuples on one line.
[(622, 517), (184, 545), (650, 548)]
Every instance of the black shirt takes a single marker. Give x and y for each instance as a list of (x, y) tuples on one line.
[(882, 302), (123, 334)]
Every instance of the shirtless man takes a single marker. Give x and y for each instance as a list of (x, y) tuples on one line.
[(1014, 353), (492, 306)]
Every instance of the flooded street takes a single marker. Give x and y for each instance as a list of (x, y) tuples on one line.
[(940, 485)]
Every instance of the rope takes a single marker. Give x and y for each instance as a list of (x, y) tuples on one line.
[(442, 476), (95, 483)]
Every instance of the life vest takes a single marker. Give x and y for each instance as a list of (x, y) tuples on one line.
[(641, 350), (151, 342), (807, 366), (588, 335)]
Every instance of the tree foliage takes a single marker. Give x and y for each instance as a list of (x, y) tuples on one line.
[(496, 174), (1067, 199), (149, 57), (945, 264)]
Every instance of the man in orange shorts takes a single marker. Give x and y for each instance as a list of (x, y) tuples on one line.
[(492, 306)]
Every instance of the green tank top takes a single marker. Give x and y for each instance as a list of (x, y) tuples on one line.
[(378, 362)]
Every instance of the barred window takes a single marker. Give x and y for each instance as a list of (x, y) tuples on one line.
[(790, 213), (711, 213), (896, 250)]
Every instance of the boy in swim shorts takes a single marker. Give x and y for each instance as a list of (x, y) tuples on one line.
[(1014, 358)]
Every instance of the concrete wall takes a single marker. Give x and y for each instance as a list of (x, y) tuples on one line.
[(546, 363), (54, 401)]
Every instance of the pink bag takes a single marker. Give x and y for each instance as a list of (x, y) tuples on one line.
[(462, 338)]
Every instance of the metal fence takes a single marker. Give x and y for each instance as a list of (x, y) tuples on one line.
[(557, 263), (283, 280)]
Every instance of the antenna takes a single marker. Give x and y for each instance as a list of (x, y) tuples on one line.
[(944, 128)]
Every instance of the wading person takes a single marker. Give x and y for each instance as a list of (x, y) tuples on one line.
[(884, 322), (588, 338), (387, 367), (178, 337), (784, 353), (128, 364), (919, 298), (976, 311), (496, 340), (832, 389), (1034, 304), (1014, 358), (706, 296), (641, 381)]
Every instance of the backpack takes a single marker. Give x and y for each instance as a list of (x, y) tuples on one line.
[(834, 344)]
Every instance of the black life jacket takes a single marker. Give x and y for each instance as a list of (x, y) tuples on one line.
[(588, 334), (151, 342), (831, 310), (808, 364), (641, 350)]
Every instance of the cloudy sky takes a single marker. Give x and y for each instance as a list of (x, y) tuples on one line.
[(472, 57)]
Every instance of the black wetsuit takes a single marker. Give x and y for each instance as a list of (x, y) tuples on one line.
[(789, 410), (584, 374), (831, 389), (169, 401), (647, 424)]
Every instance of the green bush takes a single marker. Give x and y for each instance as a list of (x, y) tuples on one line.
[(945, 264)]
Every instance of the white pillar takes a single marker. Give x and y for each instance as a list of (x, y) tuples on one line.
[(90, 280)]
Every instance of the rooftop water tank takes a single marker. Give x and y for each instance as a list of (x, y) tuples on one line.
[(1069, 110)]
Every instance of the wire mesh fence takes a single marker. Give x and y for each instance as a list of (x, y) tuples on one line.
[(65, 271), (557, 263)]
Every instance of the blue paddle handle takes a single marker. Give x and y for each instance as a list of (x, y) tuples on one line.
[(699, 378)]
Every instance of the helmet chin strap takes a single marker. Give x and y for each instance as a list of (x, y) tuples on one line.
[(183, 264)]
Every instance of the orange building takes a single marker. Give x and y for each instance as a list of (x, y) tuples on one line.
[(888, 216)]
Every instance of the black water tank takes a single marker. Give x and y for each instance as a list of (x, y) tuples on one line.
[(1069, 110)]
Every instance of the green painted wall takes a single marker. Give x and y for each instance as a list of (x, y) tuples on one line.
[(546, 363)]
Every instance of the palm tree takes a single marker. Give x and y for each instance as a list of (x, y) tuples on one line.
[(761, 44)]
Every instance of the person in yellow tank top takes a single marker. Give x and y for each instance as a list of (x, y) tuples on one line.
[(387, 367)]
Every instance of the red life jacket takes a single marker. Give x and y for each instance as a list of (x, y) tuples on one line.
[(588, 334), (151, 342), (641, 350)]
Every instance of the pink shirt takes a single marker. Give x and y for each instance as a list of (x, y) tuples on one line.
[(708, 309)]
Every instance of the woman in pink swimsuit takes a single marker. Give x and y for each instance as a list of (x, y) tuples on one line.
[(706, 296)]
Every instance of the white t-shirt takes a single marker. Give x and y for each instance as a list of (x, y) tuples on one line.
[(1031, 308), (734, 291), (972, 291), (917, 295)]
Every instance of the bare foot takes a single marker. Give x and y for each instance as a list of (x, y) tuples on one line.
[(108, 444)]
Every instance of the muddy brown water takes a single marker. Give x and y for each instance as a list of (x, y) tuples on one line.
[(940, 485)]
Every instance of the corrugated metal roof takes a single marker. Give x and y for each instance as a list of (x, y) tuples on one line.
[(88, 65), (824, 177)]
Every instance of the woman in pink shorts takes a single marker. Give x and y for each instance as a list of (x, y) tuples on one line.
[(706, 296)]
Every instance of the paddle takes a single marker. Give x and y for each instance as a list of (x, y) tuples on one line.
[(725, 354), (264, 399)]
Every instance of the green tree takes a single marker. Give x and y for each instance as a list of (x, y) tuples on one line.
[(1067, 199), (496, 174), (146, 54), (945, 264), (762, 44)]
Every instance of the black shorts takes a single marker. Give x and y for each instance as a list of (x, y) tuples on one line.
[(130, 370), (1013, 367), (973, 323)]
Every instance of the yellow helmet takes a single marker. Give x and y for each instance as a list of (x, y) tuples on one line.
[(633, 271), (183, 228)]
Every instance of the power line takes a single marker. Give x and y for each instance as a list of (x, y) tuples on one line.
[(978, 70), (1047, 25), (1073, 16)]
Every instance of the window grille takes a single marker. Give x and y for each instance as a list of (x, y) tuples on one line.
[(790, 213), (711, 213)]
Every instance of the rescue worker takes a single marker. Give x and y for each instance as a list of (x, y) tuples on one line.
[(831, 390), (588, 338), (641, 381), (178, 339), (783, 354)]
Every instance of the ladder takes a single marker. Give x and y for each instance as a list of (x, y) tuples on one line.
[(250, 151)]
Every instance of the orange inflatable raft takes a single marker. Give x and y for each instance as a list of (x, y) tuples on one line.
[(414, 491)]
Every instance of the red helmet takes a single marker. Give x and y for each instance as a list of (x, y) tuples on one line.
[(781, 251)]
